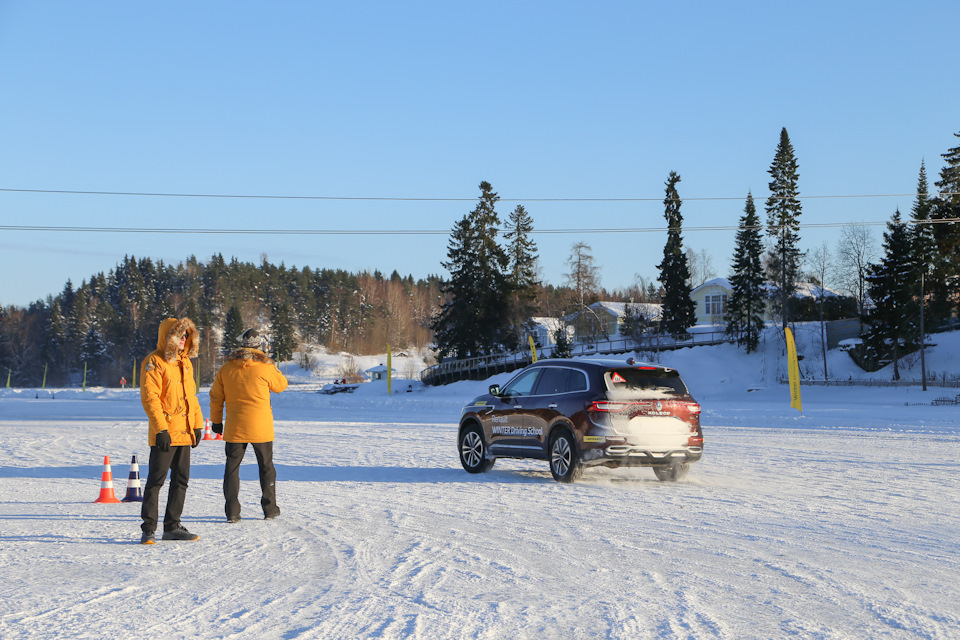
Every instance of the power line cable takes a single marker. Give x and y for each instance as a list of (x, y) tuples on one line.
[(417, 199), (425, 232)]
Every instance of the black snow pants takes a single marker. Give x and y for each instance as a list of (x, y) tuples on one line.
[(231, 478), (177, 462)]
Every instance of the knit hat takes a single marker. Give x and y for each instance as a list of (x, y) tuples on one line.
[(251, 339)]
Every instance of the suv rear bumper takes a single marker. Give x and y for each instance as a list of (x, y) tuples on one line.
[(633, 456)]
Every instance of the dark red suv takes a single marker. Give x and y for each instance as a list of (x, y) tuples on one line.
[(578, 413)]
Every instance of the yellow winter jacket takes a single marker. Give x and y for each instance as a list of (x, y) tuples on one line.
[(167, 388), (244, 383)]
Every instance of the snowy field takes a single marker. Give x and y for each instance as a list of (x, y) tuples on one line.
[(842, 522)]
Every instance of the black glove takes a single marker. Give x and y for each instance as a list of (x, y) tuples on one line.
[(197, 436), (163, 441), (217, 427)]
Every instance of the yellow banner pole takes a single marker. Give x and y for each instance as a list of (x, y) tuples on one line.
[(389, 372), (134, 378), (793, 370), (533, 348), (45, 375)]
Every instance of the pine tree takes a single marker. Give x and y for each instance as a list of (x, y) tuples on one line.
[(679, 310), (783, 224), (474, 319), (747, 302), (894, 289)]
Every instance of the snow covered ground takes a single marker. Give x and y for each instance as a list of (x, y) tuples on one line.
[(842, 522)]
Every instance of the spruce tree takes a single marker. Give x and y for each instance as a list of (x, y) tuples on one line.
[(232, 328), (562, 347), (925, 248), (522, 267), (454, 324), (747, 302), (783, 224), (94, 352), (51, 353), (946, 206), (474, 318), (894, 289), (679, 310), (284, 336)]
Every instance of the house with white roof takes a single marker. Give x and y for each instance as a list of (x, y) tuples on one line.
[(543, 329), (379, 372), (711, 299), (606, 320)]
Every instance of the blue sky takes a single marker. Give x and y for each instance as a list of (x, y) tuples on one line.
[(545, 100)]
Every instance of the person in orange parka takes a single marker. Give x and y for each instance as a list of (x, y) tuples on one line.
[(169, 396), (244, 383)]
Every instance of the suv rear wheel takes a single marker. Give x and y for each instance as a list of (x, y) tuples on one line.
[(672, 472), (473, 450), (564, 460)]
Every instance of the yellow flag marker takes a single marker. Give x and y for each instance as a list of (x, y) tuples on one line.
[(793, 370), (533, 348)]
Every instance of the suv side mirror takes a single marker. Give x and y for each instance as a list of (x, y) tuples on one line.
[(494, 389)]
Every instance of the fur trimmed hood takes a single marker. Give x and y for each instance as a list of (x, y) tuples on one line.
[(169, 334), (244, 353)]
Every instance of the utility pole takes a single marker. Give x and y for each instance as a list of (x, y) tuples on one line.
[(923, 340)]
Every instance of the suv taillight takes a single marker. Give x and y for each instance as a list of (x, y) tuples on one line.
[(610, 406)]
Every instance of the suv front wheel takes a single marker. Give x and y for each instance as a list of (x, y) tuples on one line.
[(473, 450), (564, 460)]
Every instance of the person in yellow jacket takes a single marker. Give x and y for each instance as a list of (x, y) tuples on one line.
[(169, 396), (244, 383)]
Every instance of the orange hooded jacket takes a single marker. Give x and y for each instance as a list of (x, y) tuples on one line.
[(167, 388), (244, 383)]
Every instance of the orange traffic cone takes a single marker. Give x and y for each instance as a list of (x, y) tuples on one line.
[(207, 434), (134, 493), (106, 483)]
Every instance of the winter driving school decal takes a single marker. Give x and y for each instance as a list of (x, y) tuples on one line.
[(507, 430)]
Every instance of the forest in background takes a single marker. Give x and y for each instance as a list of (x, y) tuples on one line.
[(108, 323)]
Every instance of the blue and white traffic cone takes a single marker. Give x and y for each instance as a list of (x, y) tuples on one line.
[(134, 493)]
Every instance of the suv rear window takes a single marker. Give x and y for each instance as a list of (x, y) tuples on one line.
[(645, 382)]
